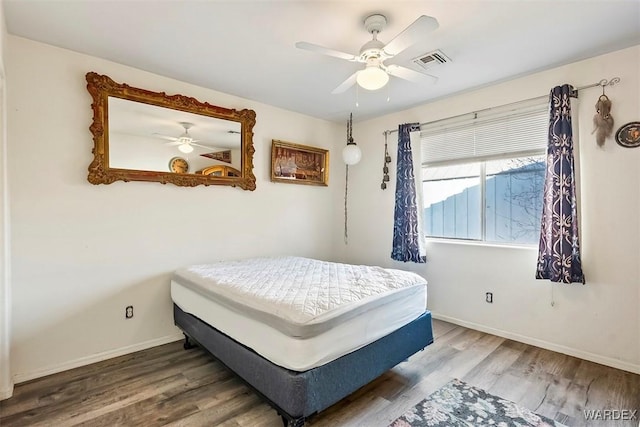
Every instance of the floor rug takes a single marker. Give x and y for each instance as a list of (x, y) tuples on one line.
[(457, 404)]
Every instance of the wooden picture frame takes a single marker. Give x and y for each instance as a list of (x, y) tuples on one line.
[(116, 105), (299, 164)]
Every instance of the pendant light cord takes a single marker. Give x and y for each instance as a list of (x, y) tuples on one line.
[(346, 177), (346, 187)]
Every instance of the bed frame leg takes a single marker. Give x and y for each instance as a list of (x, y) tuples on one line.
[(187, 343), (292, 422)]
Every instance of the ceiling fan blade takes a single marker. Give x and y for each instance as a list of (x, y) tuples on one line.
[(346, 84), (170, 138), (326, 51), (411, 75), (172, 143), (414, 33)]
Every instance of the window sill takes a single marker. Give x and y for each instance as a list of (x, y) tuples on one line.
[(480, 243)]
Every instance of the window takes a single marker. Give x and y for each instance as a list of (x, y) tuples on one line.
[(483, 177), (452, 201)]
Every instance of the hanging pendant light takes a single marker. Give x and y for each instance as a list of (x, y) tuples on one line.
[(351, 154)]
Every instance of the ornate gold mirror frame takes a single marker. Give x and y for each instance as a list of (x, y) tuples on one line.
[(102, 88)]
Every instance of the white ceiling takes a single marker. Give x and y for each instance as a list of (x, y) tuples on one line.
[(247, 48)]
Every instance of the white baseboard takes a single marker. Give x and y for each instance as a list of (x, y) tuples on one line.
[(7, 393), (94, 358), (592, 357)]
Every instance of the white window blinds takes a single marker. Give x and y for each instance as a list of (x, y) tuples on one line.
[(514, 131)]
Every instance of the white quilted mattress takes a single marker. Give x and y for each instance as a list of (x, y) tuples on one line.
[(299, 312)]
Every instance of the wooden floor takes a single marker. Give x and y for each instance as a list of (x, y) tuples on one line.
[(167, 385)]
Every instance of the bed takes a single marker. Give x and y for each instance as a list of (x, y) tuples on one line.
[(302, 333)]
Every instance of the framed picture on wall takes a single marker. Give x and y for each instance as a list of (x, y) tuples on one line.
[(299, 164), (629, 135)]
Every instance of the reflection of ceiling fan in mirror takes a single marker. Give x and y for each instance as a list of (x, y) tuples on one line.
[(376, 74), (184, 142)]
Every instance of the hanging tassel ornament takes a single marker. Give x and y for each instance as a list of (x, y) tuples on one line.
[(602, 120)]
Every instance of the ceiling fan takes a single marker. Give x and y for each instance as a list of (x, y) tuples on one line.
[(184, 142), (373, 53)]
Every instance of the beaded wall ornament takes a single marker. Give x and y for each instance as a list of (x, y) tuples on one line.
[(385, 168)]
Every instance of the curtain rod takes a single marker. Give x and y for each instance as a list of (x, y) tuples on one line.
[(603, 83)]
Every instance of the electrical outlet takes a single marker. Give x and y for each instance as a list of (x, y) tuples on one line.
[(489, 297), (128, 312)]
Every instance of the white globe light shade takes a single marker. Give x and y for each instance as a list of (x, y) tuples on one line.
[(372, 78), (185, 148), (351, 154)]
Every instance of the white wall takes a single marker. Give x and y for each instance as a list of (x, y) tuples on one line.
[(6, 383), (80, 253), (599, 321)]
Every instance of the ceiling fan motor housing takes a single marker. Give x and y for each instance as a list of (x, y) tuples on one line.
[(373, 61), (371, 49)]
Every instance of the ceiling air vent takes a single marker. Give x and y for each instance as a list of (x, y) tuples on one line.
[(431, 59)]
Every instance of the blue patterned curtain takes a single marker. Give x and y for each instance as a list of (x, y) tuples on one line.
[(559, 252), (407, 234)]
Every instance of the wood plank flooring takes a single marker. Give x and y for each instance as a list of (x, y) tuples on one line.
[(168, 386)]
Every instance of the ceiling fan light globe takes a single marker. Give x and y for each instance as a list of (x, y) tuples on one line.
[(372, 78), (351, 154), (185, 148)]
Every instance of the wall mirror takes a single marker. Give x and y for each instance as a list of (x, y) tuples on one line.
[(141, 135)]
